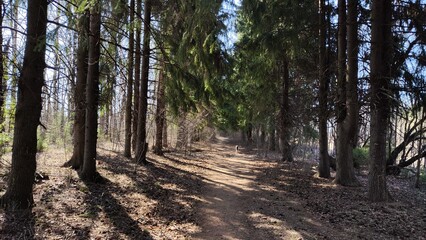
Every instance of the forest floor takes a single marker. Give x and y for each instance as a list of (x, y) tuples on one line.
[(210, 192)]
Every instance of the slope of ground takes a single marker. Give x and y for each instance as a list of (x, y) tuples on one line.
[(211, 192)]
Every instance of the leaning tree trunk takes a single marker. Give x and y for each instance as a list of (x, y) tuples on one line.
[(129, 96), (28, 110), (141, 142), (381, 55), (92, 96), (76, 161), (161, 112), (348, 97), (285, 115), (324, 164)]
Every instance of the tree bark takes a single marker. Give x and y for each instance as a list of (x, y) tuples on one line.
[(141, 143), (137, 82), (348, 101), (161, 111), (285, 115), (19, 192), (165, 141), (420, 148), (76, 160), (92, 97), (182, 136), (272, 140), (381, 55), (262, 136), (341, 114), (2, 80), (129, 96), (324, 164), (249, 133)]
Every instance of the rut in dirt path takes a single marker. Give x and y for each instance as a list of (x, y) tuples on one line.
[(238, 205)]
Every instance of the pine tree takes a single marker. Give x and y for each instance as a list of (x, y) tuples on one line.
[(76, 161), (141, 142), (160, 115), (19, 192), (324, 164), (92, 96), (137, 68), (381, 57), (2, 79), (129, 96), (348, 97)]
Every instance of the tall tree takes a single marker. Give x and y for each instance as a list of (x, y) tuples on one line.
[(2, 80), (380, 70), (269, 42), (129, 96), (160, 112), (324, 164), (141, 143), (92, 95), (28, 110), (76, 160), (137, 69), (285, 114), (348, 97)]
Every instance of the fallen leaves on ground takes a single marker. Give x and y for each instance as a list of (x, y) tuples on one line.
[(160, 200)]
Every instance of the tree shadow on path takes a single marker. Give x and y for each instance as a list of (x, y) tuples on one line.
[(17, 224), (243, 201), (173, 189), (100, 198)]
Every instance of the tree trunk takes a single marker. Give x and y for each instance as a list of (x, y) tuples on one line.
[(19, 192), (165, 141), (348, 101), (419, 152), (285, 115), (272, 140), (107, 124), (92, 96), (249, 133), (137, 68), (15, 70), (342, 138), (76, 160), (182, 136), (2, 80), (129, 96), (161, 111), (141, 142), (381, 55), (324, 164), (262, 136)]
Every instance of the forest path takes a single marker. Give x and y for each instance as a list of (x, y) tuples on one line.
[(241, 202)]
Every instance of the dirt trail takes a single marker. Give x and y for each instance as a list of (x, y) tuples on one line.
[(239, 203), (209, 192)]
